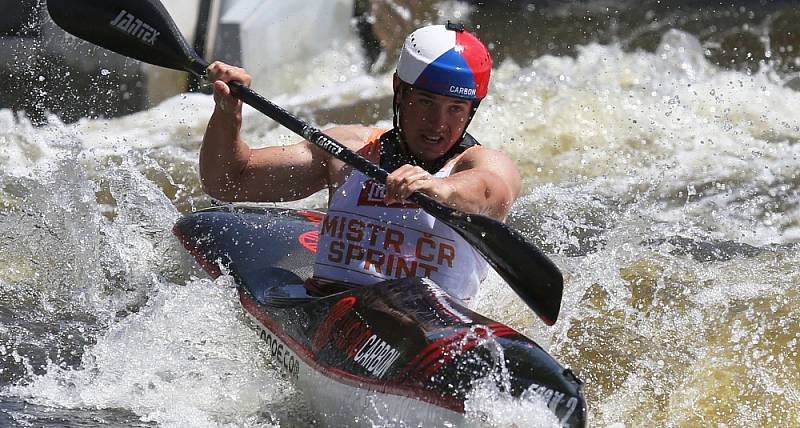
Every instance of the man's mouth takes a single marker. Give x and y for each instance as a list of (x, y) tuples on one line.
[(432, 139)]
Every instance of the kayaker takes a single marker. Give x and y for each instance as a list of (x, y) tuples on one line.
[(371, 233)]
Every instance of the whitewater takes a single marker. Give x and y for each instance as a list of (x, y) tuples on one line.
[(663, 186)]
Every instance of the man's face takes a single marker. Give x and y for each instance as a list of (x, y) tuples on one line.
[(431, 123)]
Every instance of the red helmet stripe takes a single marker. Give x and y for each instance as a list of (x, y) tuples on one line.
[(477, 58)]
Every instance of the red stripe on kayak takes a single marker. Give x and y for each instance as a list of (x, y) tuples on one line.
[(445, 345), (376, 385), (501, 330), (448, 356), (432, 347), (312, 216), (339, 310), (467, 346), (433, 361), (209, 267), (440, 350), (309, 240)]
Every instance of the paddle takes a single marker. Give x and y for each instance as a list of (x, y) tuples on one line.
[(144, 30)]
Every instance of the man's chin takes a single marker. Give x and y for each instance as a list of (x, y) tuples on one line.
[(429, 156), (432, 152)]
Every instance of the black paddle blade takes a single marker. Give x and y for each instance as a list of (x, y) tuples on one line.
[(524, 267), (140, 29)]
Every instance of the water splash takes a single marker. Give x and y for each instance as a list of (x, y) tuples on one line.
[(490, 403), (663, 187), (185, 357)]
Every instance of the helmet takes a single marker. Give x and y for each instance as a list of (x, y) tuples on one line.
[(446, 60)]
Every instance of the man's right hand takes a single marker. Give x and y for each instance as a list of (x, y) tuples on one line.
[(219, 74)]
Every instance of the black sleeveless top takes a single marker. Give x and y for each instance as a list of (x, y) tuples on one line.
[(392, 157)]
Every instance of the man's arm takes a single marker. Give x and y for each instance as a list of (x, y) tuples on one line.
[(231, 171), (483, 181)]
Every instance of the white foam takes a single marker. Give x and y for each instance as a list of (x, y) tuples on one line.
[(628, 146)]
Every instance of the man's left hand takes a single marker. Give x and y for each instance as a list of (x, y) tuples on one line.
[(408, 179)]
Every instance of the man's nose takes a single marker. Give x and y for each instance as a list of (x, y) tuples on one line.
[(437, 117)]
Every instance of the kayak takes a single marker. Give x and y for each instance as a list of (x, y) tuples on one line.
[(402, 349)]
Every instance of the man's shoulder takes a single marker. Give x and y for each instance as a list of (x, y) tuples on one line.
[(360, 139), (489, 159), (481, 154)]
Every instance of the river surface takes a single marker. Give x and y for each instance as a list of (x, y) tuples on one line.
[(661, 160)]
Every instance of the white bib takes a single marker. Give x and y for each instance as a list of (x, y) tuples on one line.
[(362, 241)]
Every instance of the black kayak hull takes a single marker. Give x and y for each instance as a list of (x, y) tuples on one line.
[(399, 349)]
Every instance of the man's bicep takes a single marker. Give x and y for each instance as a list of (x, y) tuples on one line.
[(295, 171), (502, 170), (285, 173)]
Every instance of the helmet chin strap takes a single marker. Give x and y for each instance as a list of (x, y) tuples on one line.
[(407, 157)]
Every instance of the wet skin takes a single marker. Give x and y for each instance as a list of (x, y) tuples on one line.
[(431, 123)]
